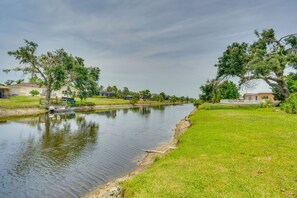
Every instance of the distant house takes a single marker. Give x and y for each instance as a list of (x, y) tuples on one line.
[(107, 94), (128, 97), (63, 92), (24, 89), (4, 92), (259, 97), (252, 98)]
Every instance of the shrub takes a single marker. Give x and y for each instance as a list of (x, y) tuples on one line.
[(290, 104), (267, 104), (197, 103), (34, 92)]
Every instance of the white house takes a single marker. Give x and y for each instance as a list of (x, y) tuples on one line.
[(24, 89)]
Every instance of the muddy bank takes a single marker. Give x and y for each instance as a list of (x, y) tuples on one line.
[(6, 113), (112, 189)]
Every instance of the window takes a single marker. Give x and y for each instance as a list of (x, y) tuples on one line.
[(256, 97)]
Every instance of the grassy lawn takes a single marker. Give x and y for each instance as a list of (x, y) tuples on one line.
[(227, 153), (28, 102), (19, 102)]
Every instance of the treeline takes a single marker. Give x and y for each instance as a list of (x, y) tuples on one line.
[(127, 94), (54, 69)]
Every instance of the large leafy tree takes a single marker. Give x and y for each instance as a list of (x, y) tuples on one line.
[(265, 59), (215, 90), (55, 69)]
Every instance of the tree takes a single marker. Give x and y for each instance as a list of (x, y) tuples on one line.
[(228, 90), (55, 69), (19, 81), (34, 92), (9, 82), (265, 59), (125, 91), (135, 98), (209, 91), (215, 90), (163, 95), (145, 94)]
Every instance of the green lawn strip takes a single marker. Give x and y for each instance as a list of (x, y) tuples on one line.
[(227, 153), (18, 102)]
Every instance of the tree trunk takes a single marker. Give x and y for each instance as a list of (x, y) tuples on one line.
[(48, 95), (285, 89)]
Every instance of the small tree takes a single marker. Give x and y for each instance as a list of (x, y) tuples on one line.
[(145, 94), (135, 98), (34, 92)]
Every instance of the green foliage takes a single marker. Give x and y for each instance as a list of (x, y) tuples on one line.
[(228, 90), (34, 92), (145, 94), (198, 102), (135, 98), (265, 59), (55, 69), (9, 82), (213, 91), (290, 104), (267, 104)]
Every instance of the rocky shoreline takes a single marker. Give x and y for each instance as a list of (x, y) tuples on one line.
[(113, 189)]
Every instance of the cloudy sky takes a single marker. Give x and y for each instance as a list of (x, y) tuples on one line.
[(162, 45)]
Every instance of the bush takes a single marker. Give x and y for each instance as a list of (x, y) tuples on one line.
[(197, 103), (267, 104), (290, 104), (34, 92)]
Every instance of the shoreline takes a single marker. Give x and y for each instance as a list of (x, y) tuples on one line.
[(113, 188), (8, 113)]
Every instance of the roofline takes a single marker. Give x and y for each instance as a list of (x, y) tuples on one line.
[(258, 93)]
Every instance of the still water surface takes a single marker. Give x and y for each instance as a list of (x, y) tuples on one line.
[(67, 155)]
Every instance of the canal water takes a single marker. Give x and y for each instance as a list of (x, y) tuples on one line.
[(68, 155)]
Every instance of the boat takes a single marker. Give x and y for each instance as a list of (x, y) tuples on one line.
[(61, 110)]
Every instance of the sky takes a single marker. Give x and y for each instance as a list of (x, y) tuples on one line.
[(160, 45)]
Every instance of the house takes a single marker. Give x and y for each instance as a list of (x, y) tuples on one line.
[(128, 97), (24, 89), (4, 92), (259, 97), (107, 93), (63, 92)]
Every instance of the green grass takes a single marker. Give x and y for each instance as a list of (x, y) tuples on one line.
[(210, 106), (17, 102), (226, 153)]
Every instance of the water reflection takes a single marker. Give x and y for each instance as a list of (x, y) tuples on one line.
[(64, 138)]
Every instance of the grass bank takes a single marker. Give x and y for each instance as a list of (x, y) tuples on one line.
[(22, 102), (226, 153)]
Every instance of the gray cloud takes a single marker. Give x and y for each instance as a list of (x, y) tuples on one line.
[(164, 45)]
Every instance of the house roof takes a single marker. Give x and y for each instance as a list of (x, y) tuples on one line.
[(3, 87), (25, 85)]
